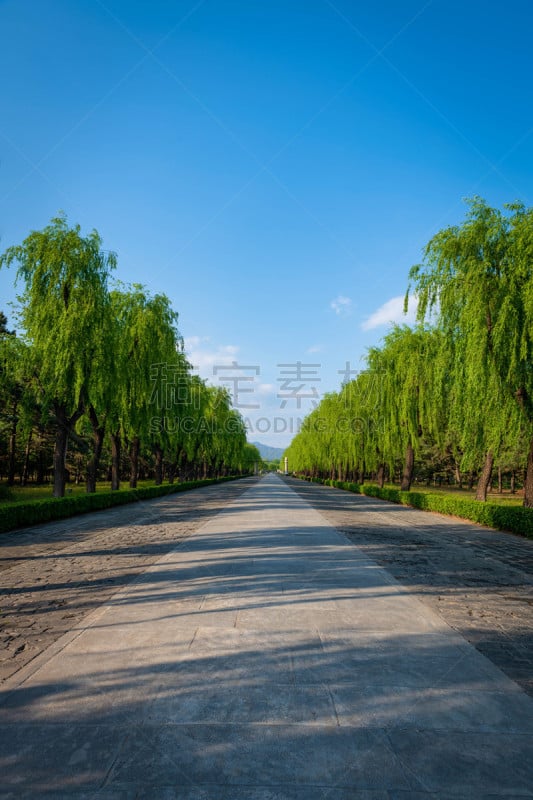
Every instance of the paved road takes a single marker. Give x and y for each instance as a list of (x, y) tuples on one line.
[(52, 575), (265, 657), (479, 581)]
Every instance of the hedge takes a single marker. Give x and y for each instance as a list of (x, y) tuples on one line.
[(17, 515), (515, 519), (5, 493)]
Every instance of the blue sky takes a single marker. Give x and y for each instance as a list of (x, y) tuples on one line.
[(274, 167)]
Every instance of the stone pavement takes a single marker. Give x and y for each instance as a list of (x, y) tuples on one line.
[(53, 575), (478, 580), (265, 657)]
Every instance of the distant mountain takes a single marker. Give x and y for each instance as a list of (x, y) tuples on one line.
[(269, 453)]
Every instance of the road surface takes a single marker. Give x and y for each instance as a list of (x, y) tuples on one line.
[(264, 655)]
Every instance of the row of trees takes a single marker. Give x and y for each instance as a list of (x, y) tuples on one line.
[(101, 368), (456, 391)]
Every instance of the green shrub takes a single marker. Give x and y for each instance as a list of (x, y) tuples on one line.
[(5, 492), (515, 519), (17, 515)]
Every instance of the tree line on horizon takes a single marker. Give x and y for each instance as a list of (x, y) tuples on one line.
[(95, 382), (454, 393)]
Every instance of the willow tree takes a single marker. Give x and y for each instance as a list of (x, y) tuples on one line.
[(335, 435), (147, 354), (64, 300), (360, 424), (515, 327), (307, 452), (11, 391), (211, 430), (105, 387), (477, 280), (21, 413), (183, 422), (480, 416), (245, 456), (297, 452), (405, 381), (231, 451), (316, 449), (327, 458)]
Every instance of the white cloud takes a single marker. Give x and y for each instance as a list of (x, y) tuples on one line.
[(204, 357), (193, 342), (316, 348), (390, 312), (266, 389), (341, 305)]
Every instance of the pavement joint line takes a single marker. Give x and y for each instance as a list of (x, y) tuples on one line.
[(408, 772)]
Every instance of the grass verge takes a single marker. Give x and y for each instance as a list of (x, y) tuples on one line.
[(18, 514), (514, 519)]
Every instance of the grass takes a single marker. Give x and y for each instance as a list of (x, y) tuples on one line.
[(31, 510), (25, 494), (469, 494), (504, 516)]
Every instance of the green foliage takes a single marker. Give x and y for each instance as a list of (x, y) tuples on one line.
[(406, 400), (17, 515), (514, 519), (250, 457), (5, 493), (506, 518), (64, 303), (93, 360), (478, 280), (147, 357), (3, 326), (456, 388)]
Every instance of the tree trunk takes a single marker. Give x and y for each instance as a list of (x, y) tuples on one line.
[(26, 467), (485, 477), (12, 446), (500, 481), (177, 467), (528, 483), (60, 454), (41, 467), (98, 441), (381, 476), (513, 482), (171, 471), (409, 465), (116, 448), (65, 425), (134, 461), (458, 476), (158, 465)]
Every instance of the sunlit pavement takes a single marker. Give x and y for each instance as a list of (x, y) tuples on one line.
[(266, 657)]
